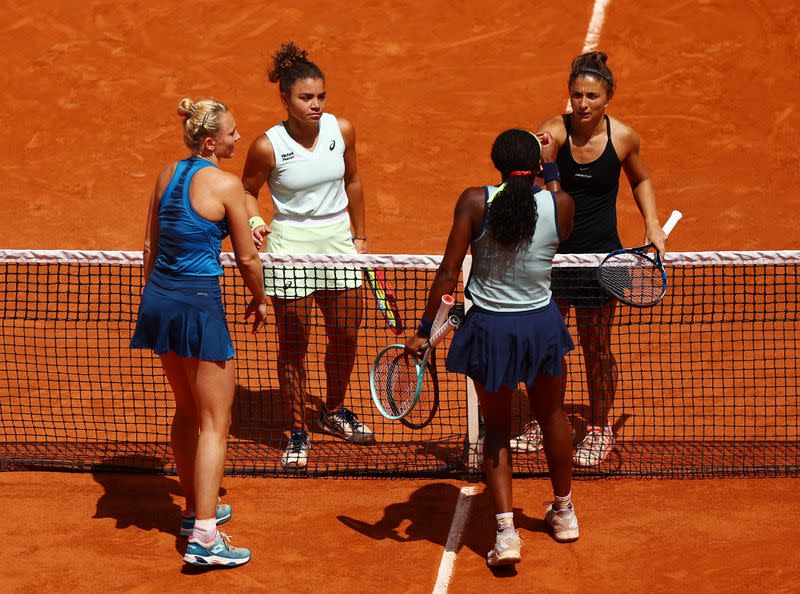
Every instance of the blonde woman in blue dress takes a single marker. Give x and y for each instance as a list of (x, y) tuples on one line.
[(194, 206)]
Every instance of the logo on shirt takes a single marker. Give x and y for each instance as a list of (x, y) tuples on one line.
[(333, 144), (287, 156), (583, 172)]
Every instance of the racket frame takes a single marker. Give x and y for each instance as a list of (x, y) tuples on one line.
[(641, 251), (420, 365), (387, 304)]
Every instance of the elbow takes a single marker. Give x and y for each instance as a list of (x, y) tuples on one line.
[(250, 261)]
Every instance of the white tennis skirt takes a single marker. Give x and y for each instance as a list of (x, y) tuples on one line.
[(292, 238)]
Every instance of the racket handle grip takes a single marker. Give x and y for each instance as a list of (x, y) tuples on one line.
[(672, 221), (438, 336), (444, 310)]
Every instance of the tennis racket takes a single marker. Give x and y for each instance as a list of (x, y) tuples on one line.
[(396, 377), (635, 276), (387, 302)]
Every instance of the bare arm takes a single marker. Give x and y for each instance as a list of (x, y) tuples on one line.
[(566, 211), (232, 196), (466, 219), (552, 135), (150, 251), (643, 192), (257, 168), (352, 186)]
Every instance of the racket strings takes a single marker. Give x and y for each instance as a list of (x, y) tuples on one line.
[(395, 382), (634, 278)]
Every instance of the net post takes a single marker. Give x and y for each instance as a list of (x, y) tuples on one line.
[(474, 447)]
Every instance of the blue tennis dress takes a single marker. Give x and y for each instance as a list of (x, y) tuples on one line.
[(514, 331), (181, 309)]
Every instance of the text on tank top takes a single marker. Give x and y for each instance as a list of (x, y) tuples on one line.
[(594, 187), (307, 186)]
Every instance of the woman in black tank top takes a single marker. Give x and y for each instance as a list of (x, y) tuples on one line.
[(592, 150)]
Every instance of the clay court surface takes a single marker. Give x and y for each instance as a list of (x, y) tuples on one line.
[(90, 92)]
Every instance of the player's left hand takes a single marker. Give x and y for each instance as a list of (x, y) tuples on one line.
[(414, 345), (259, 310)]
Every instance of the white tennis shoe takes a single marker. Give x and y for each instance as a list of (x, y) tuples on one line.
[(506, 550), (595, 447), (563, 522), (530, 440)]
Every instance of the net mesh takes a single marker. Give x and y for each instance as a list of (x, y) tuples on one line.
[(705, 382)]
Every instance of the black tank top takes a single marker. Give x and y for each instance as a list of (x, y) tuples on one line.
[(594, 187)]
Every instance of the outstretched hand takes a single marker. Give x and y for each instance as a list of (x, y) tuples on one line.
[(259, 310), (549, 146)]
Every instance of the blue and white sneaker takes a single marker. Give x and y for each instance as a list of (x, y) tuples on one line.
[(222, 552), (224, 512)]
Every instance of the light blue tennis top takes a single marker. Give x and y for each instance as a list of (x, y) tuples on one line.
[(502, 280), (188, 244)]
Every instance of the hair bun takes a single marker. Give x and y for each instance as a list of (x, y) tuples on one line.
[(186, 108)]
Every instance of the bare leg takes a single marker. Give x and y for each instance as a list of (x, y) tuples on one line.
[(212, 383), (184, 425), (594, 329), (545, 398), (343, 313), (291, 318), (496, 411)]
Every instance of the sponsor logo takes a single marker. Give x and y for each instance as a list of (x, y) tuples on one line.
[(287, 156), (333, 144)]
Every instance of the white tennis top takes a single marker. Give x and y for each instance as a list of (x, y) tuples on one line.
[(307, 186)]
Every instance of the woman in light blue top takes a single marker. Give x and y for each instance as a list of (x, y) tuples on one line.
[(181, 318), (513, 333)]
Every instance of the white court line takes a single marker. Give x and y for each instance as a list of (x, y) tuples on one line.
[(593, 32), (460, 517)]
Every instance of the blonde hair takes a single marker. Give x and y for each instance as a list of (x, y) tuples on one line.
[(200, 119)]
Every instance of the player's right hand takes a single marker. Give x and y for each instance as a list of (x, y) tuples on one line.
[(549, 146), (260, 234)]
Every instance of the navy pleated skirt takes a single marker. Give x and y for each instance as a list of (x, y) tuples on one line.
[(183, 315), (505, 348)]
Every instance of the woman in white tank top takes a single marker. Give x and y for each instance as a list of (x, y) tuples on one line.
[(513, 333), (309, 163)]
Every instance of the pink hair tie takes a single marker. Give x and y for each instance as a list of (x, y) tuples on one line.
[(516, 173)]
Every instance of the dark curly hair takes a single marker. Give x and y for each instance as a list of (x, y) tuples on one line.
[(290, 64), (593, 64), (512, 215)]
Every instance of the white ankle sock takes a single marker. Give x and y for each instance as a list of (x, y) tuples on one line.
[(505, 521), (563, 503), (205, 531)]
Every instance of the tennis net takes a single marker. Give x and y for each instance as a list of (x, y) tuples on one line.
[(706, 381)]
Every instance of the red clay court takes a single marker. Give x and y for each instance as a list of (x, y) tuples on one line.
[(91, 91)]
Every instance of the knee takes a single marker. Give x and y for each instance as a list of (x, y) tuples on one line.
[(185, 414), (345, 339), (216, 424)]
